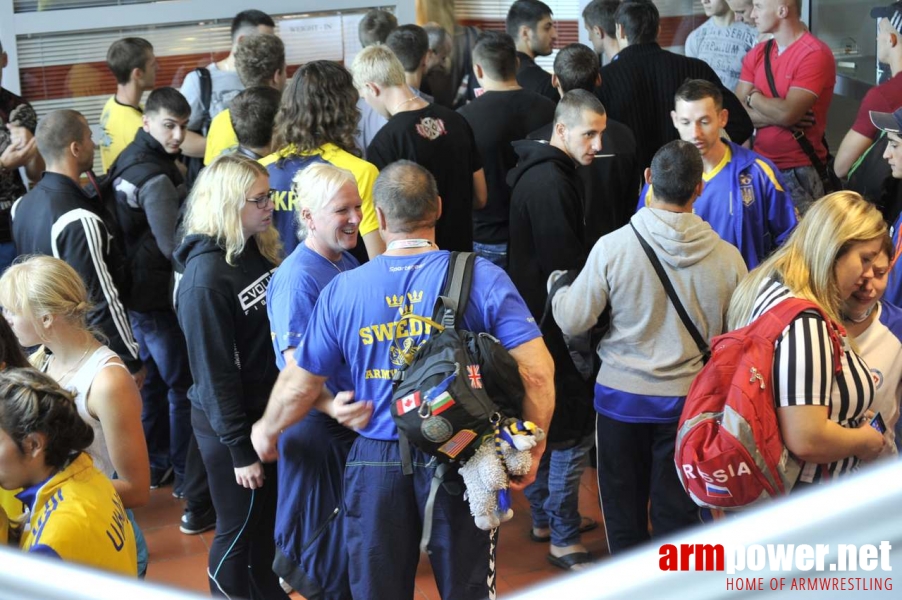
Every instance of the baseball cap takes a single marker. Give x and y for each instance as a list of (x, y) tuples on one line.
[(891, 122), (893, 12)]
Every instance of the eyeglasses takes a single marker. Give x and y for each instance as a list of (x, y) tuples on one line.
[(264, 201)]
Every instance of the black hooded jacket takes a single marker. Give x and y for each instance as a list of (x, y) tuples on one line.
[(547, 233), (222, 310), (149, 192)]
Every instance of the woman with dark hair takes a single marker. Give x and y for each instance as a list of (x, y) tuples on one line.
[(11, 354), (227, 258), (316, 123), (75, 513), (11, 357)]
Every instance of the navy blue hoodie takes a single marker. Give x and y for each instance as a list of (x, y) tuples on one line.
[(222, 310)]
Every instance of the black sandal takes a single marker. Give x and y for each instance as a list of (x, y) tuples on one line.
[(569, 561), (586, 524)]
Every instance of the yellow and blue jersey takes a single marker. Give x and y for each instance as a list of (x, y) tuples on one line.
[(745, 201), (221, 136), (77, 516), (285, 164)]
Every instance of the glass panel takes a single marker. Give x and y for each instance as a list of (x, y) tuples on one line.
[(846, 26)]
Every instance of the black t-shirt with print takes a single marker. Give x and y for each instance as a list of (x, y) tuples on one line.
[(440, 140), (497, 119)]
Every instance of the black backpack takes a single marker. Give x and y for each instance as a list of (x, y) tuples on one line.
[(459, 385), (195, 165)]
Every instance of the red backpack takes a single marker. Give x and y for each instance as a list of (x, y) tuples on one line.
[(729, 451)]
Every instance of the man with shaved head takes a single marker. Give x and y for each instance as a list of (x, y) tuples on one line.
[(804, 72), (547, 233), (59, 219)]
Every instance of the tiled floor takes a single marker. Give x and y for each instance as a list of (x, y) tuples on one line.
[(181, 560)]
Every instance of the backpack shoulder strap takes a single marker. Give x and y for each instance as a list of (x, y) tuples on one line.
[(206, 95), (453, 302), (674, 299), (774, 321)]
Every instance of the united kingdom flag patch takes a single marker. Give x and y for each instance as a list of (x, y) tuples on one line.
[(475, 377)]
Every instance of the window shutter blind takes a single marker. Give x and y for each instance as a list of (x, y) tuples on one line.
[(69, 70)]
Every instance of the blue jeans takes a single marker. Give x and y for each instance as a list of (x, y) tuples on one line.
[(804, 186), (166, 413), (554, 496), (496, 253), (7, 255)]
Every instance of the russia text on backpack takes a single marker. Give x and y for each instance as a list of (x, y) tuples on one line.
[(729, 451)]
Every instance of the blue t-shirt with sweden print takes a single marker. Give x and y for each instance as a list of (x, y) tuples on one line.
[(357, 318)]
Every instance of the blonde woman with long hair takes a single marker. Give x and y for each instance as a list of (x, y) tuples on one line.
[(46, 304), (226, 260), (822, 414)]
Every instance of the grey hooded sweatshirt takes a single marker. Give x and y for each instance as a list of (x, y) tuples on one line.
[(648, 349)]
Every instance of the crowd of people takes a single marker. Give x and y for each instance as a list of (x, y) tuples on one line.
[(223, 310)]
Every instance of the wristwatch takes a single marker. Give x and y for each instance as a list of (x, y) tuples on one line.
[(748, 99)]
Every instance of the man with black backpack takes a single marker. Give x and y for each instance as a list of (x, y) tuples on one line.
[(149, 191), (365, 317), (210, 89)]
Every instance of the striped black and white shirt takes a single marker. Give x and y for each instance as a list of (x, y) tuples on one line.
[(803, 374)]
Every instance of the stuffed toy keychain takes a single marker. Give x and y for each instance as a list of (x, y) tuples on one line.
[(487, 473)]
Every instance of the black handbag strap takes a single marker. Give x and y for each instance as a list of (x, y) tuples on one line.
[(674, 299), (798, 134)]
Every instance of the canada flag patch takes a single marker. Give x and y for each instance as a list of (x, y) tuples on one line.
[(408, 403)]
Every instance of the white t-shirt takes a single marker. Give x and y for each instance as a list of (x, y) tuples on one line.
[(880, 345), (80, 384), (225, 85), (723, 48)]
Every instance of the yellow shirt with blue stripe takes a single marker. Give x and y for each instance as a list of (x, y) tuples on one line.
[(77, 516), (744, 200), (120, 124), (221, 136), (10, 504), (285, 164)]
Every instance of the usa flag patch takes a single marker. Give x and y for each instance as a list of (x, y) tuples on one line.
[(455, 445)]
